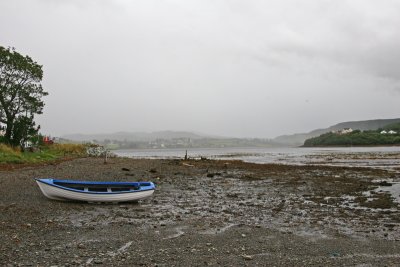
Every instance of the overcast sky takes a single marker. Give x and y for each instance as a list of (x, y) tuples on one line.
[(224, 67)]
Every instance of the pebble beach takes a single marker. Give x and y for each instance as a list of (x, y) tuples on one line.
[(203, 213)]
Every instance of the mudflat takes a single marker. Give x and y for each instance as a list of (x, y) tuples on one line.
[(204, 213)]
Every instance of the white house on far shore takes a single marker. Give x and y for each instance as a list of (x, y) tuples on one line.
[(343, 131), (346, 131), (389, 132)]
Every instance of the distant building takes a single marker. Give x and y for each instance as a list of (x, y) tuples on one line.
[(384, 132), (392, 132), (343, 131)]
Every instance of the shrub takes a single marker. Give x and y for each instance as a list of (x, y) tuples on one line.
[(5, 149), (10, 155), (68, 149)]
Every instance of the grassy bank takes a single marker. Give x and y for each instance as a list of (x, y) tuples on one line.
[(9, 155)]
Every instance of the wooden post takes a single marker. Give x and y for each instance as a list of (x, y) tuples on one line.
[(105, 158)]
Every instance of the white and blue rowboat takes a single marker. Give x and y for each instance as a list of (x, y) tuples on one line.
[(95, 191)]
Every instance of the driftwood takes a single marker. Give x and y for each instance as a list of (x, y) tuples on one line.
[(186, 164)]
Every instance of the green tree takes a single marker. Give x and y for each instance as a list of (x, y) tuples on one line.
[(20, 95)]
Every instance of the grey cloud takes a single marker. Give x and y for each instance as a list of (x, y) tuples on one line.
[(235, 68), (367, 41)]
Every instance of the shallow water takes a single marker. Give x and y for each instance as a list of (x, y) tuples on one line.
[(376, 157), (394, 190)]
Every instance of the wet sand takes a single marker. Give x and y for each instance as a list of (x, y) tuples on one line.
[(203, 213)]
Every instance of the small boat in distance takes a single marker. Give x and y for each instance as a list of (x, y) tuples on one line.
[(89, 191)]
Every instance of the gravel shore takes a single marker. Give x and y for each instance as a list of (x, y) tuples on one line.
[(203, 213)]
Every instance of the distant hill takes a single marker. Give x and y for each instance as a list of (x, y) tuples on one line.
[(298, 139), (134, 136), (392, 127), (386, 136), (165, 139)]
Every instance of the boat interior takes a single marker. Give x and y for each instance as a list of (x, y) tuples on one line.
[(99, 187)]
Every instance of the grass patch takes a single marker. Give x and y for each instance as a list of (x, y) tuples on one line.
[(67, 149), (9, 155)]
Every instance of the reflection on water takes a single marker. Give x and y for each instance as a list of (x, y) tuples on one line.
[(377, 157)]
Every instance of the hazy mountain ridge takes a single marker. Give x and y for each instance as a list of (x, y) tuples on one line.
[(166, 139), (283, 140), (134, 136), (298, 139)]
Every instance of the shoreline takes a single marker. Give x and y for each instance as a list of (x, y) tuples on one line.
[(388, 145), (214, 212)]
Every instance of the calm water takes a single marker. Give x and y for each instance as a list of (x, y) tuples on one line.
[(378, 157)]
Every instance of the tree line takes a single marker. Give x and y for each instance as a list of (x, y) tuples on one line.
[(357, 138)]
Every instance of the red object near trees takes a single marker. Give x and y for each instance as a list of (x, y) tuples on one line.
[(47, 140)]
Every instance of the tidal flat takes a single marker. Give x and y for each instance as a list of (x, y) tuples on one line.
[(204, 213)]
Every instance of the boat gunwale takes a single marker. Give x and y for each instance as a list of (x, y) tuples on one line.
[(46, 181)]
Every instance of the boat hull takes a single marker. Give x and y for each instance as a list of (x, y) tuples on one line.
[(66, 194)]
